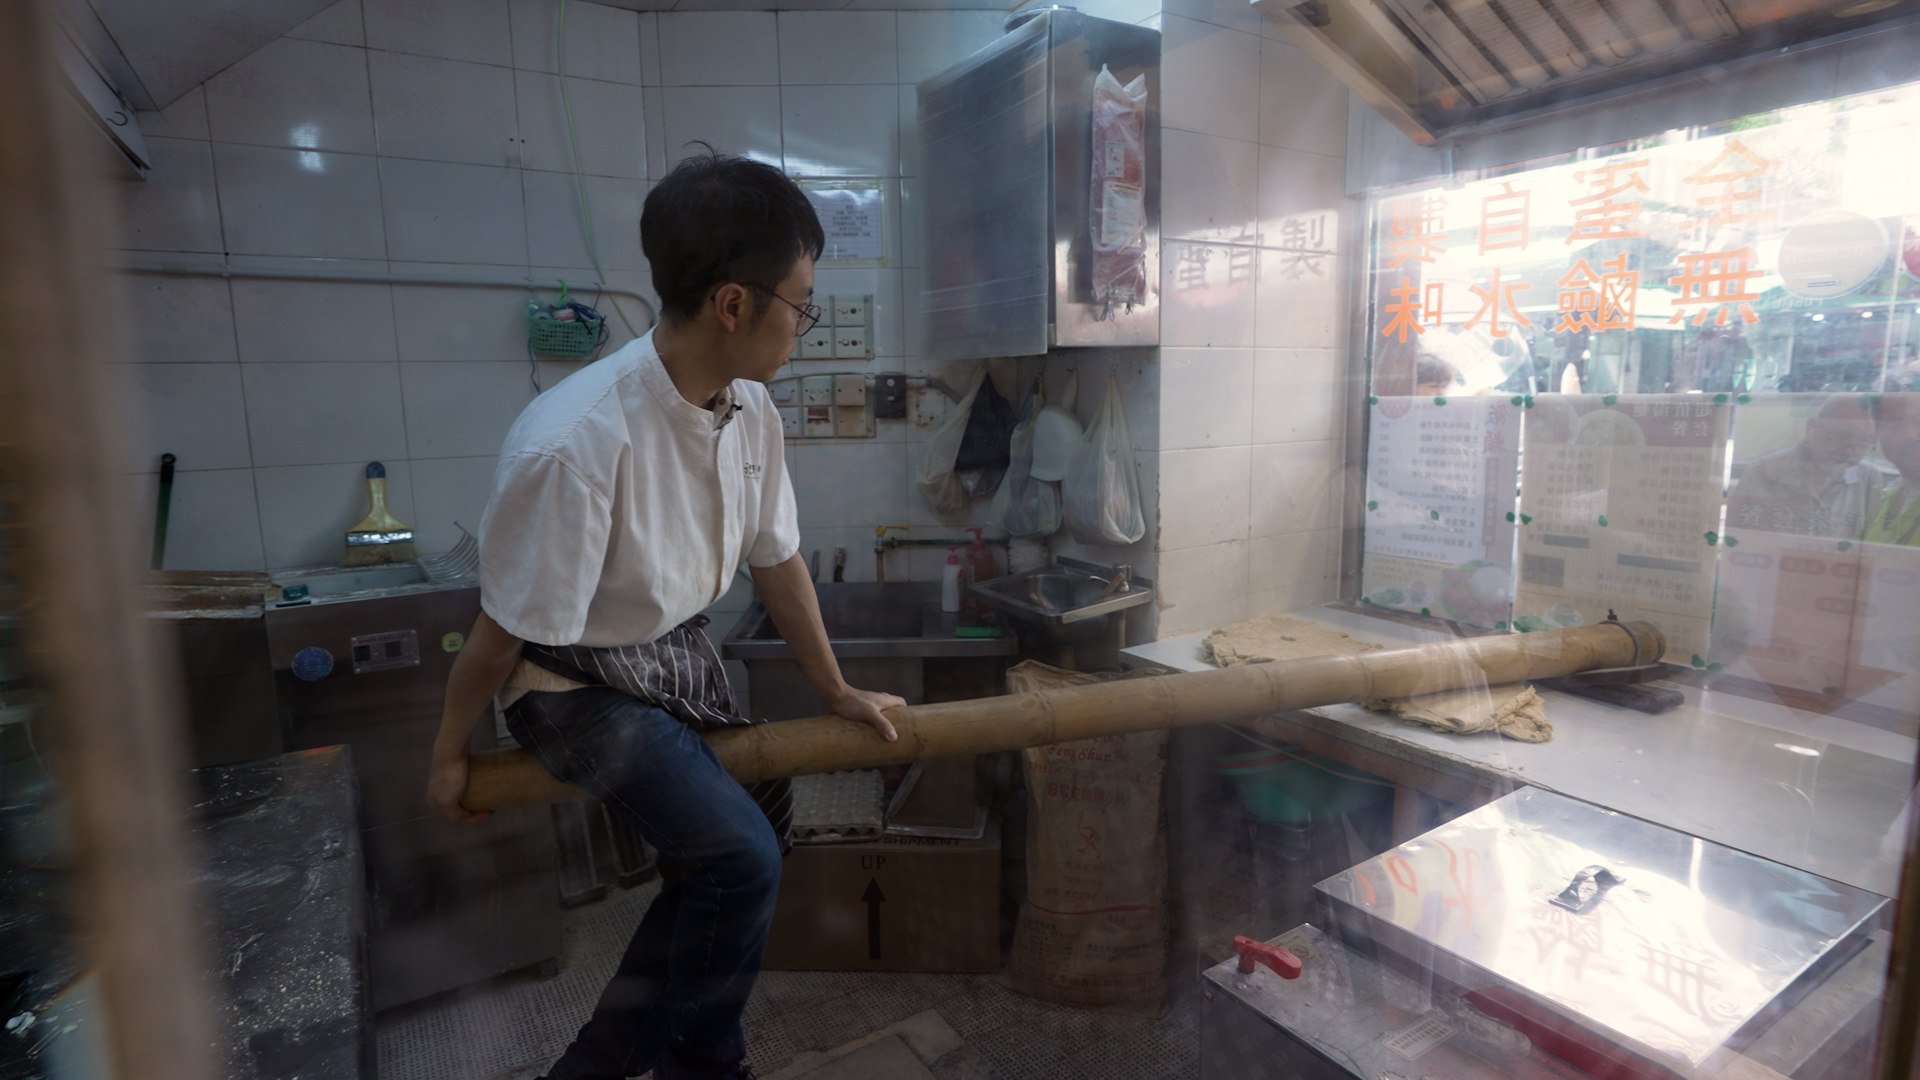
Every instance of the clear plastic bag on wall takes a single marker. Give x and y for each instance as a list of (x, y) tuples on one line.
[(939, 481), (1101, 494), (1118, 208), (1031, 507)]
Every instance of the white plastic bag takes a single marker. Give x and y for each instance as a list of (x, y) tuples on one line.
[(1057, 434), (939, 483), (1102, 490), (1031, 507)]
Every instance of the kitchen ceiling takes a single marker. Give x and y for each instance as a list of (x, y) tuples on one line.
[(1440, 67)]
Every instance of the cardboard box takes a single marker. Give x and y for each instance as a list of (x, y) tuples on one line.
[(899, 904)]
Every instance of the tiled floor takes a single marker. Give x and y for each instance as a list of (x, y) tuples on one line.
[(510, 1026)]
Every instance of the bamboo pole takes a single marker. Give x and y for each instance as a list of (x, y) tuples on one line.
[(113, 714), (824, 744)]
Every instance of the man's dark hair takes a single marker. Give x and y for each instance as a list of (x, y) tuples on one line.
[(718, 218)]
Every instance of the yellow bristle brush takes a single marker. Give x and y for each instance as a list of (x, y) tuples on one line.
[(379, 537)]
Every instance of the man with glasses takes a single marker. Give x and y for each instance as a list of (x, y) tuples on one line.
[(625, 499)]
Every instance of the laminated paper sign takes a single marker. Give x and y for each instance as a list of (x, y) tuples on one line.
[(1885, 668), (1440, 507), (1620, 511)]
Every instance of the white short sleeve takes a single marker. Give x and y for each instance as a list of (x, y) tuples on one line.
[(779, 527), (543, 542)]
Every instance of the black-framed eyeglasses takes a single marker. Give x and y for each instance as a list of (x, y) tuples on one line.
[(809, 313)]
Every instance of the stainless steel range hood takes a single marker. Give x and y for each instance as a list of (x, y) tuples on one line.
[(1443, 67)]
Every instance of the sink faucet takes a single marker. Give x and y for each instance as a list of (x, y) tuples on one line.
[(1121, 581), (880, 546)]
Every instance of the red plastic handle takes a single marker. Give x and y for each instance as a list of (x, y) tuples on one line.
[(1284, 963)]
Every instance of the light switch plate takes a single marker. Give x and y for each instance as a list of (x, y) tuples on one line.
[(849, 389), (816, 390), (784, 392), (790, 423)]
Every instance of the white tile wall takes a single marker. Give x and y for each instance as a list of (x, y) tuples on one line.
[(839, 47), (1298, 395), (1210, 78), (192, 411), (282, 321), (1209, 295), (1206, 398), (933, 41), (1302, 105), (731, 119), (337, 196), (340, 24), (554, 230), (610, 119), (1302, 204), (175, 207), (476, 30), (841, 130), (1293, 571), (719, 48), (461, 409), (602, 42), (440, 212), (1203, 496), (442, 323), (1203, 587), (1296, 487), (186, 118), (305, 94), (1210, 187), (1301, 300), (213, 520), (172, 320), (444, 110), (299, 414)]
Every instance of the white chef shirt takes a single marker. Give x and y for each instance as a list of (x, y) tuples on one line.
[(620, 510)]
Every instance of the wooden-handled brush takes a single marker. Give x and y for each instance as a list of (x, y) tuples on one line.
[(380, 537)]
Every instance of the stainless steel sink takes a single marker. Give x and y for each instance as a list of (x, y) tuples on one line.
[(870, 619), (1069, 591), (890, 637)]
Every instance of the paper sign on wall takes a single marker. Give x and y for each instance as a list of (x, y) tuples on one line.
[(853, 214), (1620, 511), (1440, 500)]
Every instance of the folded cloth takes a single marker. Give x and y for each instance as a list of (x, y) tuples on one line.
[(1514, 710)]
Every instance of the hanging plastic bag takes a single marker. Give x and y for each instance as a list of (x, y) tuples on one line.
[(1057, 434), (1118, 207), (1027, 507), (1102, 490), (939, 481), (982, 460)]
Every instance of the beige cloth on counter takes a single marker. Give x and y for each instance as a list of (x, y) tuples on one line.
[(1515, 710)]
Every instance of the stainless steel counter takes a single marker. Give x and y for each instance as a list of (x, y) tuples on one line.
[(1814, 792)]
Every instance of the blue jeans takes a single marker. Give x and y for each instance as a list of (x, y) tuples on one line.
[(676, 998)]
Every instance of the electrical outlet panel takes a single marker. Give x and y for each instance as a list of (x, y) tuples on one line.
[(890, 397), (790, 423), (849, 390), (784, 392), (851, 343), (851, 310), (817, 344), (816, 390), (818, 422), (851, 422)]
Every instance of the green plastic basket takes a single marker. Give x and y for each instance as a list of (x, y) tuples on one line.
[(1294, 787), (566, 339)]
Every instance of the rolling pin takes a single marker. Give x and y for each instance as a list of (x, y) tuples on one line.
[(503, 778)]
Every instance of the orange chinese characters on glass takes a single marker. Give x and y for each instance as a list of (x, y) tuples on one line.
[(1734, 179), (1409, 311), (1712, 282), (1416, 230), (1611, 209), (1495, 297), (1505, 223), (1596, 301)]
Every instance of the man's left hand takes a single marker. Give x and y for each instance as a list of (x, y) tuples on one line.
[(869, 707)]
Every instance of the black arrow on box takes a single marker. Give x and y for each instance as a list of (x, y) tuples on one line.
[(873, 898)]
